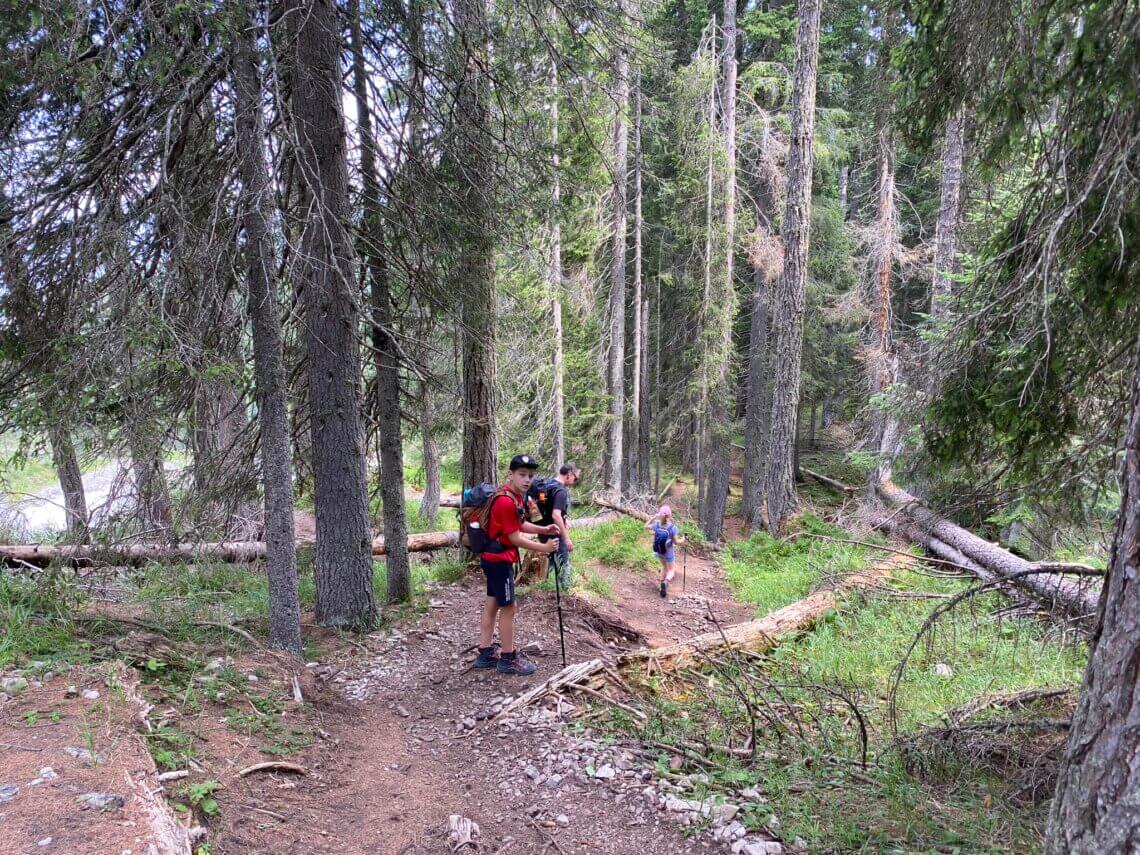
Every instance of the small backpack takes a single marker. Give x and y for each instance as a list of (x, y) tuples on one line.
[(475, 518), (661, 540)]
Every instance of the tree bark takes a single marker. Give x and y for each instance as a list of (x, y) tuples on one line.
[(70, 481), (844, 177), (343, 572), (429, 504), (615, 360), (721, 399), (888, 431), (384, 349), (1096, 807), (788, 300), (758, 414), (474, 273), (268, 359), (946, 235), (151, 490), (554, 272), (634, 473)]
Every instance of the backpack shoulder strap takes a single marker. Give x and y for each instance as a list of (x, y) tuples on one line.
[(485, 515)]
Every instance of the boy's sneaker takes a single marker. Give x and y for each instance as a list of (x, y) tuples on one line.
[(664, 589), (488, 657), (516, 664)]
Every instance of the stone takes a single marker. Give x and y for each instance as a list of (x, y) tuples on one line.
[(554, 780), (102, 801), (82, 754), (725, 813), (251, 678), (90, 694), (71, 692), (469, 723), (7, 793), (943, 670), (44, 842), (605, 772), (761, 847), (12, 686), (562, 820), (533, 773), (676, 805)]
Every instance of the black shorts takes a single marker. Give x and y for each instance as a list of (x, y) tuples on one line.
[(500, 581)]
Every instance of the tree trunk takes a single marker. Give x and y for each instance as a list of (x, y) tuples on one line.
[(151, 491), (639, 353), (554, 272), (268, 359), (1096, 807), (946, 235), (758, 415), (811, 428), (788, 300), (343, 572), (1048, 587), (615, 360), (70, 482), (721, 399), (888, 431), (474, 271), (844, 173), (387, 404), (429, 504)]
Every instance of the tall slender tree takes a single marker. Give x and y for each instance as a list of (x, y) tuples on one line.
[(554, 270), (384, 348), (268, 361), (790, 292), (474, 271), (343, 571), (613, 475)]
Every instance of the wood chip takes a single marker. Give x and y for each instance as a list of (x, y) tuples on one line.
[(273, 766)]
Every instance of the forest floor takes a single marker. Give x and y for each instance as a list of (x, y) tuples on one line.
[(398, 742)]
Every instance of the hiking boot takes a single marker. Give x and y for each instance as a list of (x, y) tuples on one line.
[(664, 589), (517, 665), (488, 657)]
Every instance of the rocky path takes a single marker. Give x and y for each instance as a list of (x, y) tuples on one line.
[(409, 752)]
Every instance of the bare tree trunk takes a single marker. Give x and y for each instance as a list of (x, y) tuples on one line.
[(844, 173), (429, 504), (788, 299), (886, 364), (721, 400), (474, 273), (343, 573), (946, 233), (554, 273), (268, 359), (385, 355), (635, 467), (70, 482), (1096, 807), (757, 417), (151, 490), (615, 361)]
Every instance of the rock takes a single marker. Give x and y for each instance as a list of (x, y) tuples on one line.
[(90, 694), (759, 847), (102, 801), (676, 805), (752, 793), (605, 772), (44, 842), (252, 678), (47, 773), (12, 686), (533, 773), (197, 833), (554, 780), (219, 662), (722, 814), (82, 754), (402, 711), (7, 793), (774, 823), (71, 692), (943, 670), (562, 820), (469, 723)]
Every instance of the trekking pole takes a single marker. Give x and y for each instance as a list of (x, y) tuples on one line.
[(558, 600), (684, 564)]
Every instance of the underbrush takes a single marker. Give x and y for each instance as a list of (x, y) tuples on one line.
[(623, 544), (847, 760)]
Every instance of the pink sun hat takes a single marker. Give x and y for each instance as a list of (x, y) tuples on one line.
[(664, 511)]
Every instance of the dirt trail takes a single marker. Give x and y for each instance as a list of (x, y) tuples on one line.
[(408, 743)]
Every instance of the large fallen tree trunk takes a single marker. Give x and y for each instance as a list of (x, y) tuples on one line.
[(603, 502), (236, 552), (754, 636), (954, 543)]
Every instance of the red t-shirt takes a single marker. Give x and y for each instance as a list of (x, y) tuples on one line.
[(504, 521)]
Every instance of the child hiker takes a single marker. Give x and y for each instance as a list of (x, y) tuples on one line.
[(506, 528), (665, 535)]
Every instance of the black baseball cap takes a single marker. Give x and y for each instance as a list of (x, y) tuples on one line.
[(523, 461)]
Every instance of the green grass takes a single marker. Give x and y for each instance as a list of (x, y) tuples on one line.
[(35, 617), (622, 544), (770, 573), (27, 476), (808, 758)]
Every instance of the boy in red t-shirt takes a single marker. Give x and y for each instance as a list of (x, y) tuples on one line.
[(507, 526)]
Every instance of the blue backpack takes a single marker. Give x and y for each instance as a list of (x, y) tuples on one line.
[(662, 537)]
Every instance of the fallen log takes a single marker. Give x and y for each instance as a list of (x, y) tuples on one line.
[(236, 552), (945, 539), (756, 636), (829, 482), (603, 502)]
